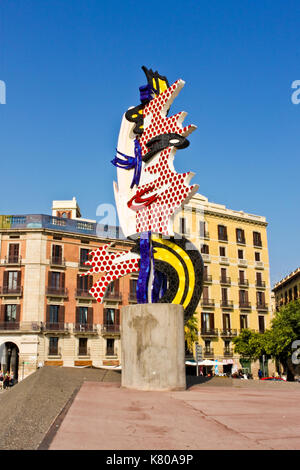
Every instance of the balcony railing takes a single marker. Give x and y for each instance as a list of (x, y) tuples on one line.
[(57, 291), (57, 261), (208, 352), (226, 303), (228, 352), (260, 284), (207, 278), (228, 332), (245, 304), (259, 265), (55, 326), (13, 260), (82, 293), (205, 257), (242, 262), (9, 325), (262, 306), (225, 280), (243, 283), (85, 328), (110, 329), (224, 260), (7, 290), (208, 302), (132, 297), (209, 332), (113, 296)]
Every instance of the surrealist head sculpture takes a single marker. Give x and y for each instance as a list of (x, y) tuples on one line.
[(148, 194)]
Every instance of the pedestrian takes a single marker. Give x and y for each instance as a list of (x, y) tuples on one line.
[(12, 380), (259, 374), (1, 379), (6, 380)]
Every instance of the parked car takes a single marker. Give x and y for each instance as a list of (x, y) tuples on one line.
[(273, 378)]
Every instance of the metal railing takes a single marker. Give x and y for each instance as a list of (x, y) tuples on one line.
[(57, 291), (9, 325), (85, 327), (207, 278), (226, 303), (113, 296), (209, 332), (57, 261), (225, 280), (261, 284), (228, 352), (262, 306), (208, 302), (132, 297), (228, 332), (110, 329), (244, 304), (15, 260), (243, 282), (54, 326), (209, 352), (7, 290), (82, 293)]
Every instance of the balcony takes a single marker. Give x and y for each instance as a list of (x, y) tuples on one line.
[(57, 261), (245, 305), (9, 326), (56, 291), (242, 262), (227, 304), (205, 257), (226, 281), (117, 296), (260, 284), (209, 353), (208, 302), (262, 306), (58, 327), (259, 265), (228, 332), (11, 291), (110, 329), (84, 328), (209, 332), (224, 260), (243, 283), (227, 352), (207, 279), (83, 294), (13, 260)]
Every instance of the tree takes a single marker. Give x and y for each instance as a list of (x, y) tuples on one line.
[(191, 333), (249, 344), (284, 331)]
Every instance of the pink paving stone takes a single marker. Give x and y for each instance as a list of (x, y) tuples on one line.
[(106, 416)]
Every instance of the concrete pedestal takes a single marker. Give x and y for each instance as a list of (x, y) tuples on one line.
[(153, 356)]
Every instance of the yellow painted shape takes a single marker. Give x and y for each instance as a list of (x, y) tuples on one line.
[(162, 254)]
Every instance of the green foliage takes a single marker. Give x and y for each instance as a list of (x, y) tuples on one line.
[(249, 344), (191, 332)]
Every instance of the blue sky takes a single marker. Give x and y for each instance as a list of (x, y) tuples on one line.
[(72, 67)]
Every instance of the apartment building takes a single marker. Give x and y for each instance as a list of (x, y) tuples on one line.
[(287, 290), (236, 291), (47, 316)]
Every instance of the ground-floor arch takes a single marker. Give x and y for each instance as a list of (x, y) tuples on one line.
[(9, 357)]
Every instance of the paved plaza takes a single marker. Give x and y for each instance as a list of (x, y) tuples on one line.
[(238, 415)]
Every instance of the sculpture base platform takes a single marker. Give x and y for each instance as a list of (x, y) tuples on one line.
[(153, 355)]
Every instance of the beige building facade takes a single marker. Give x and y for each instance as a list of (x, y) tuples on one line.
[(287, 290)]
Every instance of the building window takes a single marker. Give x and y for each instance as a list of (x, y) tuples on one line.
[(295, 292), (82, 315), (207, 322), (257, 239), (57, 254), (227, 346), (243, 296), (110, 347), (53, 346), (205, 249), (53, 313), (240, 236), (223, 275), (208, 349), (182, 225), (203, 230), (222, 233), (240, 254), (222, 251), (84, 256), (11, 313), (260, 296), (226, 321), (261, 324), (243, 322), (13, 252), (224, 295), (257, 256), (82, 347)]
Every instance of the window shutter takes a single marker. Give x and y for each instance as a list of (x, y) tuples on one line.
[(104, 316), (50, 279), (79, 280), (19, 279), (90, 316), (48, 314), (77, 315), (212, 321), (18, 313), (5, 279), (116, 285), (62, 280), (61, 314), (90, 282), (117, 317), (2, 314), (205, 293)]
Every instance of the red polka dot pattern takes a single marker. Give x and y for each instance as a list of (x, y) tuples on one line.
[(111, 267), (170, 186)]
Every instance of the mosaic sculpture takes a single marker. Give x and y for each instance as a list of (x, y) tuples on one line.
[(148, 194)]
